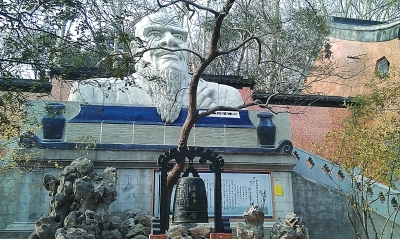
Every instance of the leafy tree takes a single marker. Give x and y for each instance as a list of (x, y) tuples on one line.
[(369, 138), (367, 148), (38, 36)]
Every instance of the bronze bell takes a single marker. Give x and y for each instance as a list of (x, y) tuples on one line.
[(190, 204)]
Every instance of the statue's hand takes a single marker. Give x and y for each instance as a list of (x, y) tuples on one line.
[(204, 96)]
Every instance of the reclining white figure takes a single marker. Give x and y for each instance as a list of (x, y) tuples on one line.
[(161, 77)]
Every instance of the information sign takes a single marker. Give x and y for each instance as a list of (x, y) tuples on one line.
[(239, 191)]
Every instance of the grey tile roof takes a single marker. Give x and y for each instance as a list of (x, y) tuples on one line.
[(303, 100), (92, 72), (25, 85), (234, 81)]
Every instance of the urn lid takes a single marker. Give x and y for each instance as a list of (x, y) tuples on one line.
[(264, 115), (54, 105)]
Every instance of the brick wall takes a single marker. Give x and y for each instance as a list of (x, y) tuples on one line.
[(309, 125)]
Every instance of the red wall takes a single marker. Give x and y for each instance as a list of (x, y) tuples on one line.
[(308, 125)]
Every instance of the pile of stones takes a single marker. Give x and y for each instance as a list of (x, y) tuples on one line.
[(79, 207)]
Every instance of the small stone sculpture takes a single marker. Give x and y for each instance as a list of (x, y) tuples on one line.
[(293, 227), (177, 231), (189, 231), (200, 231), (79, 207), (254, 228)]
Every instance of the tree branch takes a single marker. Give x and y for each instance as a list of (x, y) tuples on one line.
[(227, 108), (244, 43), (191, 3)]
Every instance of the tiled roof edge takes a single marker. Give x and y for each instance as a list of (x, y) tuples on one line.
[(304, 100), (25, 85)]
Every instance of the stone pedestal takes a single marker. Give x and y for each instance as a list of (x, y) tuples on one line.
[(221, 236), (160, 236)]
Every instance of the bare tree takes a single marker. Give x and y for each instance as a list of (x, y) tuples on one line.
[(291, 35)]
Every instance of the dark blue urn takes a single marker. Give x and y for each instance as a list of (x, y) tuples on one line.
[(266, 130), (53, 122)]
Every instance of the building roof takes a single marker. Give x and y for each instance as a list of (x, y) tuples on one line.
[(25, 85), (234, 81), (303, 100), (93, 72), (363, 30), (81, 73), (356, 48)]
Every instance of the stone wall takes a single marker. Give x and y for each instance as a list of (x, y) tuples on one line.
[(325, 211), (134, 189), (24, 199)]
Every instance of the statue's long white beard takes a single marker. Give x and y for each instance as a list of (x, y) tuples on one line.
[(166, 89)]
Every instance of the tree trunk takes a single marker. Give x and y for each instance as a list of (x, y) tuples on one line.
[(191, 118)]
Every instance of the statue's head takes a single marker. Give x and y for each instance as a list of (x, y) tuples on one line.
[(165, 35)]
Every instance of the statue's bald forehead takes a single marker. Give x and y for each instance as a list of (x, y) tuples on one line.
[(157, 18)]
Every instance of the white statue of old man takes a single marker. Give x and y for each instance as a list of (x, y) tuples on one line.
[(161, 77)]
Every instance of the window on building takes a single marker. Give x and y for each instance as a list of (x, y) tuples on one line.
[(382, 67)]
